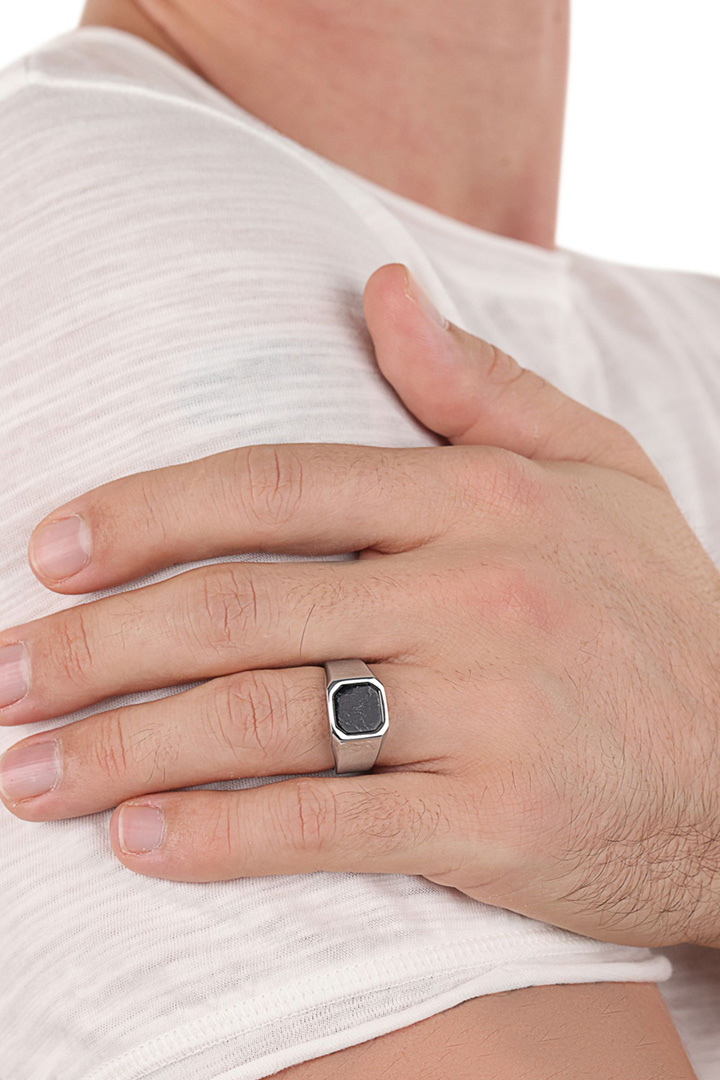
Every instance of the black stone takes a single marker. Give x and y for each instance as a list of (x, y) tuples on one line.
[(358, 709)]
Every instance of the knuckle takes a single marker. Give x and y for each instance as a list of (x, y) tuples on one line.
[(270, 484), (222, 607), (70, 649), (110, 751), (515, 486), (221, 828), (148, 491), (501, 368), (503, 483), (250, 713), (309, 820), (519, 596), (145, 753), (504, 371)]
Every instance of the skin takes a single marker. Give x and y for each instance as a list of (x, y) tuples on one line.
[(511, 74)]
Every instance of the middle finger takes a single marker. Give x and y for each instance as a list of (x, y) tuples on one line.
[(207, 622)]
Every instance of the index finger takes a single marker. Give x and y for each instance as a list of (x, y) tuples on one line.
[(302, 498)]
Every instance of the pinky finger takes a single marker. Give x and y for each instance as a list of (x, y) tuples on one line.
[(393, 822)]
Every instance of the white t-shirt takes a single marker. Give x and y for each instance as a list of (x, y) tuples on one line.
[(177, 278)]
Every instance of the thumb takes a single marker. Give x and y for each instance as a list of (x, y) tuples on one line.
[(471, 392)]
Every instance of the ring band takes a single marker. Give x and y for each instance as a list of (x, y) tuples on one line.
[(358, 715)]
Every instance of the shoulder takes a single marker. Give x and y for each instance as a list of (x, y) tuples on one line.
[(123, 174), (98, 120)]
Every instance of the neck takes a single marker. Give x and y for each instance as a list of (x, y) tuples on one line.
[(457, 104)]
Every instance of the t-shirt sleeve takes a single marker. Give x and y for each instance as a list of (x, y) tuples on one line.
[(176, 280)]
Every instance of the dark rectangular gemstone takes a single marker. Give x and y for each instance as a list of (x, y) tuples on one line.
[(358, 709)]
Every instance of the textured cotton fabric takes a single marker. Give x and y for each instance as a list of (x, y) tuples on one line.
[(176, 279)]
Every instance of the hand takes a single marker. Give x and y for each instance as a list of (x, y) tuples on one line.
[(546, 625)]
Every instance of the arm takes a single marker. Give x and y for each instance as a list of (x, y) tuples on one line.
[(588, 1032), (185, 336)]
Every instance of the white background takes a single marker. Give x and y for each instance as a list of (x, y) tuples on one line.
[(641, 178)]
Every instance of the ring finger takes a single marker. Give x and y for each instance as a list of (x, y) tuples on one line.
[(255, 723)]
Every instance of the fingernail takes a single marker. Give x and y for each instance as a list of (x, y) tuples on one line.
[(140, 828), (14, 674), (62, 548), (418, 295), (28, 771)]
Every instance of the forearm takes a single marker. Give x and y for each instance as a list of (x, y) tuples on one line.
[(598, 1031)]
